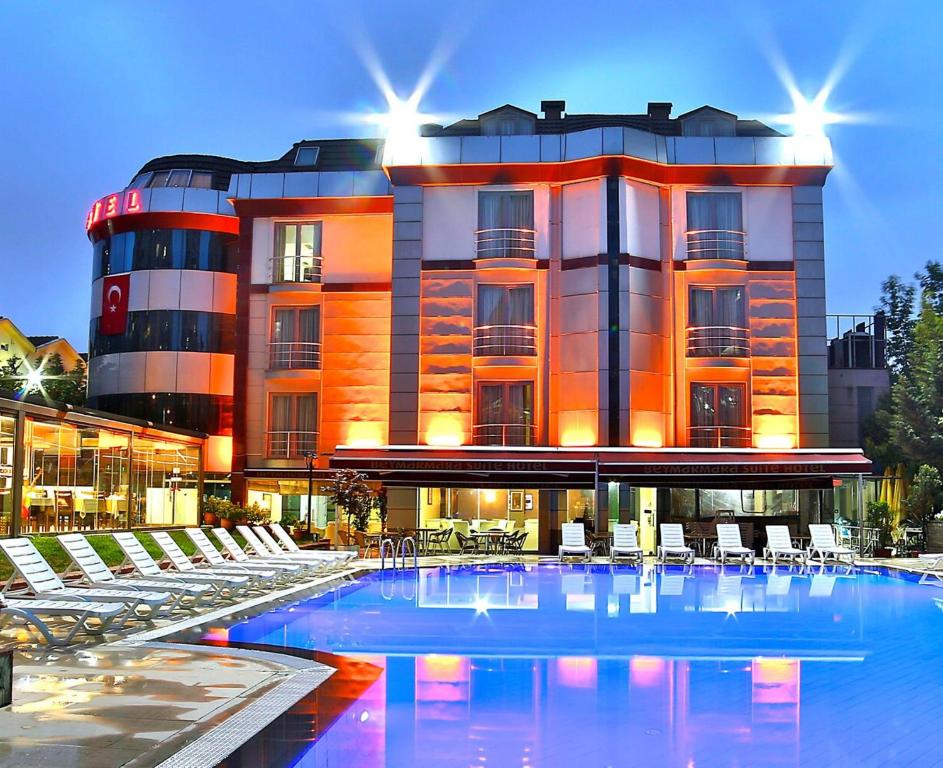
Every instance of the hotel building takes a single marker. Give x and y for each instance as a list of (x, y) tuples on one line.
[(521, 318)]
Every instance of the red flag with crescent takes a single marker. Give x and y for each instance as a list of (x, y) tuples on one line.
[(115, 289)]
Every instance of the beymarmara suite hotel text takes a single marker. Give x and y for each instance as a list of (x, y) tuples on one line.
[(522, 317)]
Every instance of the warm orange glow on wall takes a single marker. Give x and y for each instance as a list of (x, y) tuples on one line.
[(445, 429), (775, 442), (364, 434), (646, 671), (219, 453), (576, 672), (646, 437)]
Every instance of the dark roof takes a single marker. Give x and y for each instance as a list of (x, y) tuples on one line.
[(361, 154), (38, 341)]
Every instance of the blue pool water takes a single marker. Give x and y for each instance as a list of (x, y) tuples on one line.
[(584, 666)]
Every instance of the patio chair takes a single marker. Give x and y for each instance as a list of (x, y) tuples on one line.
[(516, 541), (214, 558), (625, 543), (42, 581), (97, 574), (729, 544), (137, 557), (184, 565), (467, 543), (823, 544), (90, 618), (779, 545), (296, 551), (262, 543), (574, 541), (238, 555), (672, 544)]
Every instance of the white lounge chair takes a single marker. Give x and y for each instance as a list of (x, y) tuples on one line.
[(214, 557), (625, 542), (671, 583), (779, 545), (729, 545), (98, 574), (310, 554), (90, 618), (672, 543), (45, 584), (574, 541), (138, 558), (184, 565), (238, 555), (824, 545), (258, 545)]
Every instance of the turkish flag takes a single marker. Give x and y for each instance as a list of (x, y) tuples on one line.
[(115, 289)]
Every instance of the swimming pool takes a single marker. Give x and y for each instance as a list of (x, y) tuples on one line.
[(547, 665)]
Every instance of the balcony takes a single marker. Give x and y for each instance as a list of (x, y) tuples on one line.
[(296, 269), (505, 243), (504, 434), (290, 444), (718, 341), (497, 340), (719, 437), (715, 244), (297, 355)]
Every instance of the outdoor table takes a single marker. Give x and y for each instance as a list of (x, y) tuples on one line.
[(601, 539), (492, 539), (702, 541), (422, 538)]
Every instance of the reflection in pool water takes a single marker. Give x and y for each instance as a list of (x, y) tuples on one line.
[(597, 666)]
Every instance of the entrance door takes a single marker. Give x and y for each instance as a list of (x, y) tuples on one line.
[(644, 507)]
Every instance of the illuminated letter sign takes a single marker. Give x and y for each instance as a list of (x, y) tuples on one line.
[(113, 205)]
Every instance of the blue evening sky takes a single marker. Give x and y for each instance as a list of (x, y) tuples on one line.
[(90, 91)]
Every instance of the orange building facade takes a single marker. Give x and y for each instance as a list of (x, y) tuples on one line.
[(523, 320)]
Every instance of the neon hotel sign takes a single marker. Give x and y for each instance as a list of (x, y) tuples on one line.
[(117, 204)]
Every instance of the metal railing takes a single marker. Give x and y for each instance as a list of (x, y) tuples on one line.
[(719, 437), (715, 244), (296, 269), (291, 444), (505, 340), (504, 434), (294, 354), (505, 243), (857, 341), (718, 341)]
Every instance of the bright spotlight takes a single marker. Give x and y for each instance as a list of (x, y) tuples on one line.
[(401, 125), (809, 116), (34, 380)]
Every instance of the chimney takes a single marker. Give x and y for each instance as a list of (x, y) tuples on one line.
[(553, 110), (659, 110)]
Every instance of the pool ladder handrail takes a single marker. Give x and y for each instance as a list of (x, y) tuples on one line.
[(398, 551)]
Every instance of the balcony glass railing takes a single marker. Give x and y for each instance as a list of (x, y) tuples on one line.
[(294, 354), (296, 269), (715, 244), (291, 444), (505, 243), (505, 340), (718, 341), (719, 437), (504, 434)]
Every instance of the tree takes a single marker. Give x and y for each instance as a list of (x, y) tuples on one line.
[(917, 419), (12, 375), (931, 285), (897, 306), (879, 445), (349, 490), (924, 496)]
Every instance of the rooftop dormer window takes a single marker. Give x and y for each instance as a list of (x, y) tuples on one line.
[(307, 155), (708, 121), (507, 121)]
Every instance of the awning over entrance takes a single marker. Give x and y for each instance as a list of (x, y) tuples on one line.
[(543, 467)]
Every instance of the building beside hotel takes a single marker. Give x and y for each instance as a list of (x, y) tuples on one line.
[(35, 350), (520, 317)]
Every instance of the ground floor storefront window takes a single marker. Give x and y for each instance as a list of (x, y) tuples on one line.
[(7, 439)]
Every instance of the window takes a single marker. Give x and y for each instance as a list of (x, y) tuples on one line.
[(504, 323), (297, 253), (717, 322), (307, 155), (201, 180), (168, 330), (505, 225), (507, 124), (718, 416), (179, 179), (293, 424), (159, 179), (505, 414), (162, 249), (715, 225), (296, 335)]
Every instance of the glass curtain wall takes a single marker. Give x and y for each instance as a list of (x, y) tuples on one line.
[(165, 480), (7, 440), (475, 510)]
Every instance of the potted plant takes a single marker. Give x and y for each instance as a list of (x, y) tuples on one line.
[(230, 515), (349, 490), (922, 503), (881, 516), (292, 522), (257, 515), (381, 505), (211, 509)]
